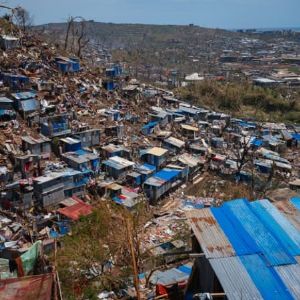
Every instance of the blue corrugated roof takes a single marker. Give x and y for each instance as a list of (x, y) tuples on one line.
[(279, 226), (150, 125), (29, 105), (296, 202), (265, 278), (264, 241), (239, 238), (296, 136), (81, 151), (167, 174), (241, 215), (149, 167), (24, 95)]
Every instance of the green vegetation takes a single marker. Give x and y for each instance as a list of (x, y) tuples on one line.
[(98, 241), (244, 100), (295, 70)]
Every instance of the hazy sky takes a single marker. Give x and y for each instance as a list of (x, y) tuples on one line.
[(208, 13)]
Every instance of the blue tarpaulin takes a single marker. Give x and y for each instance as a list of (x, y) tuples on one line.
[(185, 269)]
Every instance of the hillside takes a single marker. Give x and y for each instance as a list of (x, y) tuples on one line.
[(167, 46)]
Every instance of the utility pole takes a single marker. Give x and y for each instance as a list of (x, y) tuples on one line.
[(134, 264)]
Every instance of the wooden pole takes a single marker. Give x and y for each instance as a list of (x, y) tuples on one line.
[(55, 277), (59, 287), (134, 264)]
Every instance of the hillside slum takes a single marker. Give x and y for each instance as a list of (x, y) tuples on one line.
[(71, 134)]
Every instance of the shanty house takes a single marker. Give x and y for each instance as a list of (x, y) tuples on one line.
[(140, 174), (6, 109), (148, 128), (38, 146), (82, 160), (26, 103), (155, 156), (74, 208), (111, 150), (14, 81), (49, 189), (193, 163), (9, 42), (191, 132), (69, 144), (189, 112), (54, 187), (117, 166), (65, 64), (247, 250), (162, 182), (56, 126), (116, 131), (29, 165), (88, 138), (173, 145)]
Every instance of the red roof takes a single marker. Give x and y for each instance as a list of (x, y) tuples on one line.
[(77, 210)]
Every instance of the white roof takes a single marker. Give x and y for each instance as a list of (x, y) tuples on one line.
[(157, 151), (194, 77)]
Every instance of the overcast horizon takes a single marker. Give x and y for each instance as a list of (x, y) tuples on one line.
[(227, 14)]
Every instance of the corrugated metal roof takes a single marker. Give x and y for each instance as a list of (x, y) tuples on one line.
[(278, 225), (188, 127), (156, 151), (242, 216), (29, 105), (24, 95), (6, 100), (118, 163), (190, 160), (31, 140), (175, 142), (265, 279), (296, 202), (167, 174), (238, 237), (290, 275), (154, 181), (234, 279), (212, 239)]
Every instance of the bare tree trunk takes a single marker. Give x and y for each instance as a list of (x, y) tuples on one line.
[(70, 23)]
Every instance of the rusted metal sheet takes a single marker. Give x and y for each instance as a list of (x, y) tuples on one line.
[(290, 211), (37, 287), (212, 239)]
